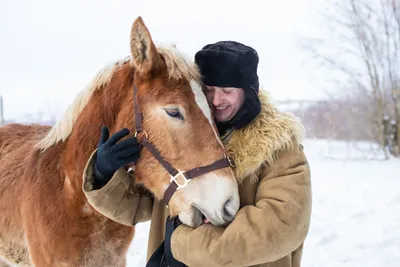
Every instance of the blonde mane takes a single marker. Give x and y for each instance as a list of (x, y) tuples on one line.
[(178, 65)]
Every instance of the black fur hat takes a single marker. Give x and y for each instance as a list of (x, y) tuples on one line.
[(232, 64)]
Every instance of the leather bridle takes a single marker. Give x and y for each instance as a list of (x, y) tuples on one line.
[(174, 173)]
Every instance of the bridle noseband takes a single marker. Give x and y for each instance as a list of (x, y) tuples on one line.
[(174, 173)]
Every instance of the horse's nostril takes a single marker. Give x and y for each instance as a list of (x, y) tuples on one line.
[(229, 212)]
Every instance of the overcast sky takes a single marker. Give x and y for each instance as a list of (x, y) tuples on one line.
[(49, 50)]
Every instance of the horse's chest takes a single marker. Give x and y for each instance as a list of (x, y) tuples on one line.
[(106, 247), (104, 254), (109, 248)]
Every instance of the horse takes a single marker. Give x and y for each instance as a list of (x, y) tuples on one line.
[(45, 218)]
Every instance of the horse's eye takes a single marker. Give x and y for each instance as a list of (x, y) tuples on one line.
[(174, 113)]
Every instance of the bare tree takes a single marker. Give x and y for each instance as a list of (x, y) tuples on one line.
[(361, 42)]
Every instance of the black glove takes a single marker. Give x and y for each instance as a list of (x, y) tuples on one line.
[(111, 155), (163, 257)]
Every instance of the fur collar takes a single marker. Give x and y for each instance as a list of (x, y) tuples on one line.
[(257, 144)]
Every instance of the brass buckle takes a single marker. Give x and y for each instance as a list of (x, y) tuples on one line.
[(180, 186), (231, 162), (131, 170), (143, 131)]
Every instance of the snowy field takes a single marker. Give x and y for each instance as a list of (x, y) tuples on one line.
[(356, 209)]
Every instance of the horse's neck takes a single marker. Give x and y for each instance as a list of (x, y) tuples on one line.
[(85, 137), (103, 108)]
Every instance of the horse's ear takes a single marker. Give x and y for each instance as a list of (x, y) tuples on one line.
[(144, 52)]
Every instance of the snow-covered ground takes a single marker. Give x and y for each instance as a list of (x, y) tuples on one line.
[(356, 209)]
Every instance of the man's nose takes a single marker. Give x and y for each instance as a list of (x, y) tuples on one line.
[(217, 98)]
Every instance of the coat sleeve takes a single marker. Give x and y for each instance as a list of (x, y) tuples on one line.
[(120, 199), (275, 226)]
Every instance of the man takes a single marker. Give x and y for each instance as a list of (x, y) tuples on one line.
[(271, 169)]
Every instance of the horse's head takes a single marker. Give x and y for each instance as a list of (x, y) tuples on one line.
[(178, 123)]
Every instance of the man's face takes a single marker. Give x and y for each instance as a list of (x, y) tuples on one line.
[(225, 101)]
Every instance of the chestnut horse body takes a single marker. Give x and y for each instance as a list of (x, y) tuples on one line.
[(45, 219)]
